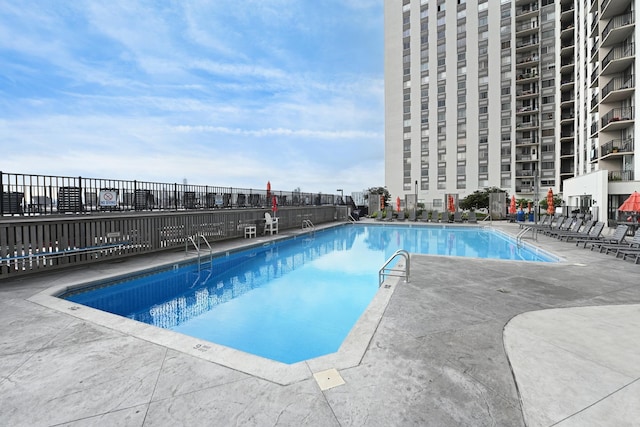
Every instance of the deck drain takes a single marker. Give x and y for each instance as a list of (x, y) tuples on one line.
[(328, 379)]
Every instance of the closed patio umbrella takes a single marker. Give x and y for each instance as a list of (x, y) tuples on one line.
[(550, 208), (512, 205), (398, 204), (452, 204), (274, 205)]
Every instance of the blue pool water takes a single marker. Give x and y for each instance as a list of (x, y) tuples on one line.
[(290, 300)]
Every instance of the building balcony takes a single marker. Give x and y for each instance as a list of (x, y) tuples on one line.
[(594, 24), (595, 103), (526, 28), (617, 89), (609, 8), (616, 147), (618, 29), (524, 190), (524, 173), (594, 77), (618, 59), (594, 129), (567, 51), (527, 76), (567, 64), (621, 176), (526, 141), (567, 97), (527, 10), (567, 135), (526, 110), (567, 117), (616, 119), (595, 52), (528, 60), (528, 46), (527, 125), (567, 7), (567, 81), (529, 93)]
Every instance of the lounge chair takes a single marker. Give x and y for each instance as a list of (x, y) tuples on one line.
[(473, 219), (401, 216), (544, 221), (457, 216), (630, 253), (558, 225), (270, 224), (412, 215), (634, 243), (425, 216), (594, 233), (582, 232), (435, 216), (573, 228), (389, 215), (616, 237), (551, 221)]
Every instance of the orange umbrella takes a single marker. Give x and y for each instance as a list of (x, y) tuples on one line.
[(529, 207), (274, 205), (632, 204), (550, 207), (398, 204), (512, 205), (452, 204)]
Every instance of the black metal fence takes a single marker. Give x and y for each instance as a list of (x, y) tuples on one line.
[(23, 194)]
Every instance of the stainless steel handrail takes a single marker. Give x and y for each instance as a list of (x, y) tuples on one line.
[(386, 271)]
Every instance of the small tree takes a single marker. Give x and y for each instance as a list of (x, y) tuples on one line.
[(479, 199), (381, 191)]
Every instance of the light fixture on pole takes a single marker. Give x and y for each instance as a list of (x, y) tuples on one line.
[(415, 202)]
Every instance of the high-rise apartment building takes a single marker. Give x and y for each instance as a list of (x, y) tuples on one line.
[(524, 95)]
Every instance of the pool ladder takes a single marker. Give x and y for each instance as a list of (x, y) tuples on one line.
[(196, 245), (306, 223), (386, 271), (525, 230)]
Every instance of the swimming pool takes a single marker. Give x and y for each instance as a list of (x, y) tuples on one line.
[(290, 300)]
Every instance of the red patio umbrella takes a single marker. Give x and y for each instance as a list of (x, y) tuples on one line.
[(398, 204), (268, 190), (632, 204), (512, 205), (452, 204), (550, 208), (274, 205), (529, 207)]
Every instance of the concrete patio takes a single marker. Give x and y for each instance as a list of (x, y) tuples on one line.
[(469, 342)]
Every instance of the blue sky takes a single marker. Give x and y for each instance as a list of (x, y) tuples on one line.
[(220, 92)]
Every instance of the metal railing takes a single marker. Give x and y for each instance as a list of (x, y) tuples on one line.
[(617, 22), (28, 194), (386, 271), (617, 115), (618, 53)]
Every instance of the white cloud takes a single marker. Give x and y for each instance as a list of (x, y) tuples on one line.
[(223, 93)]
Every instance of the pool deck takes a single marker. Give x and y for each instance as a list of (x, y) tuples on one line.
[(470, 342)]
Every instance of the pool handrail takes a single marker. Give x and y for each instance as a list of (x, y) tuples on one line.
[(385, 271)]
